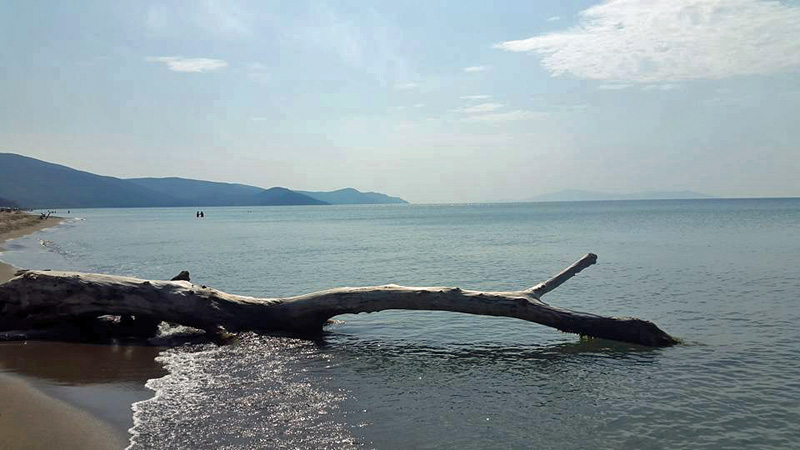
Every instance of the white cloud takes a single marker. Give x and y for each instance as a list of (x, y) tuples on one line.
[(509, 116), (180, 64), (476, 97), (406, 86), (646, 41), (553, 18), (614, 87), (419, 105), (473, 69), (481, 108)]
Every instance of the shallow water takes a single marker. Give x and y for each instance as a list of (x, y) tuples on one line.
[(720, 274)]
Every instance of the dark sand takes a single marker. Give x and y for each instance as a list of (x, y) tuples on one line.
[(29, 419), (101, 379), (56, 395)]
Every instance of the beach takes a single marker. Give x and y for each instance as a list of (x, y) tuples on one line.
[(17, 224), (29, 417)]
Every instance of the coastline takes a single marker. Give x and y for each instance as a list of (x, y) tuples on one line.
[(15, 225), (29, 418)]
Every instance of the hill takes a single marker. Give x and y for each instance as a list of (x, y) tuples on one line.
[(210, 193), (351, 196), (31, 183), (6, 203), (283, 196), (574, 195)]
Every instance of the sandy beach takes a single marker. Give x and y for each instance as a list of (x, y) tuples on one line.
[(18, 224), (29, 418)]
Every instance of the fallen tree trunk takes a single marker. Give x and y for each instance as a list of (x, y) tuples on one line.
[(36, 300)]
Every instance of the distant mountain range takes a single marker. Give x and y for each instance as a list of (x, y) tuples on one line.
[(5, 203), (208, 193), (350, 196), (32, 183), (573, 195)]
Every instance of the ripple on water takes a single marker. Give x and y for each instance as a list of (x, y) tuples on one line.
[(256, 393), (721, 275)]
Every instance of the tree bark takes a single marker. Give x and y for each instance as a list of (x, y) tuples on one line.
[(36, 300)]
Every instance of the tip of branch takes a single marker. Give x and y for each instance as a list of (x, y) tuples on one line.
[(543, 288)]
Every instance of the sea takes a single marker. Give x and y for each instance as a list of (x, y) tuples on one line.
[(721, 275)]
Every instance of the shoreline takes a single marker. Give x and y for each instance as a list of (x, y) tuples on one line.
[(16, 225), (29, 417)]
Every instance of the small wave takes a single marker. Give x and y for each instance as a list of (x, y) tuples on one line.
[(256, 393), (53, 248)]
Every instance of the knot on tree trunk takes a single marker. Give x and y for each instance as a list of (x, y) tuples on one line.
[(183, 276)]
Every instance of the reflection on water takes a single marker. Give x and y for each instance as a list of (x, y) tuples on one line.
[(345, 391), (258, 392), (80, 363), (102, 379), (475, 395), (722, 274), (487, 354)]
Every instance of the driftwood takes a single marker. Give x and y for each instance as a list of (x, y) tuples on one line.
[(37, 300)]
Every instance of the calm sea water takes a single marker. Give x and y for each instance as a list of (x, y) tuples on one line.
[(723, 275)]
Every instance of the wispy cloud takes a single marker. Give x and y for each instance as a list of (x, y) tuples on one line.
[(181, 64), (224, 17), (476, 97), (481, 108), (663, 87), (553, 18), (221, 18), (645, 41), (257, 72), (419, 105), (509, 116), (614, 86), (473, 69), (406, 86), (362, 39)]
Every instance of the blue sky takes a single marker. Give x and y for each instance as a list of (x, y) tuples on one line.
[(432, 101)]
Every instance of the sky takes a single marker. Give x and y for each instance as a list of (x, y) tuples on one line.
[(432, 101)]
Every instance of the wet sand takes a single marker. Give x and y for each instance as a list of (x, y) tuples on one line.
[(18, 224), (101, 379), (29, 419), (65, 395)]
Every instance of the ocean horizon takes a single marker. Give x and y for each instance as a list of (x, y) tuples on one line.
[(720, 274)]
